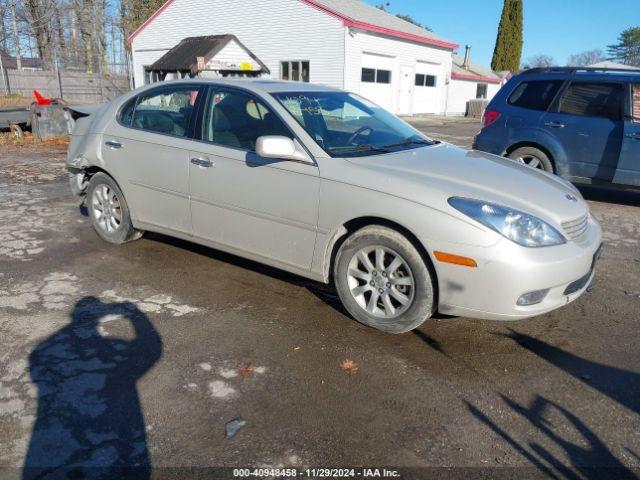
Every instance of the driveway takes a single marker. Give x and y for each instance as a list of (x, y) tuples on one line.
[(142, 355)]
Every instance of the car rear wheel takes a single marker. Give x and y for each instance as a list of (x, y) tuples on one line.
[(533, 158), (109, 212), (383, 281)]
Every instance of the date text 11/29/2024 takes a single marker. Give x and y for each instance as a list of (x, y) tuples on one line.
[(286, 473)]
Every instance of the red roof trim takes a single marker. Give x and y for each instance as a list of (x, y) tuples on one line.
[(477, 78), (149, 20), (346, 20)]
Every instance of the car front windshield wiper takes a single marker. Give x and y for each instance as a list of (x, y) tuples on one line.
[(407, 142), (361, 147)]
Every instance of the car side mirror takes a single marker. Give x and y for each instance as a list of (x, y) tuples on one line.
[(277, 146)]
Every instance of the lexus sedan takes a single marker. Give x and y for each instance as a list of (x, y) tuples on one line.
[(329, 186)]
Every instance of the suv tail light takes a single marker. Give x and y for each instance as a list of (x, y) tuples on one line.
[(488, 117)]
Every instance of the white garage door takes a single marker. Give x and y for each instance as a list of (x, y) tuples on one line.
[(376, 82), (429, 83)]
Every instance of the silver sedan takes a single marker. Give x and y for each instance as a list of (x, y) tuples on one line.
[(327, 185)]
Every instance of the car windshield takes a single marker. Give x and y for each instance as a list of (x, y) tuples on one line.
[(346, 125)]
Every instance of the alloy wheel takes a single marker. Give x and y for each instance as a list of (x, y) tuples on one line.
[(531, 161), (381, 281), (106, 207)]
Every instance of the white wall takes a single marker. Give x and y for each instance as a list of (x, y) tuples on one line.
[(461, 91), (402, 53), (274, 30), (232, 55)]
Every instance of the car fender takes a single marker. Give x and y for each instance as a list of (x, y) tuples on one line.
[(433, 229), (558, 154)]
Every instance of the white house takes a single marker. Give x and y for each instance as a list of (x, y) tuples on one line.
[(343, 43), (470, 81)]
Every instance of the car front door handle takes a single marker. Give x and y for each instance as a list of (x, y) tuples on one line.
[(202, 162), (554, 124), (113, 144)]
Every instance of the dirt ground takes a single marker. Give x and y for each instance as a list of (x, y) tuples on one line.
[(142, 355)]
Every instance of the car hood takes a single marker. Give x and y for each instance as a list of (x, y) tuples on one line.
[(431, 175)]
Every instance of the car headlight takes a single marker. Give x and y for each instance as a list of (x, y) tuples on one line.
[(517, 226)]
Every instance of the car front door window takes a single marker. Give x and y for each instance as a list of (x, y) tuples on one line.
[(236, 119)]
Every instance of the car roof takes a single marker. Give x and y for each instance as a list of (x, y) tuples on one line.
[(261, 85), (624, 75)]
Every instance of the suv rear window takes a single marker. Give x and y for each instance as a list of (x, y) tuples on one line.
[(602, 100), (536, 94)]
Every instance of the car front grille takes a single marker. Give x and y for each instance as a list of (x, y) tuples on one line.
[(575, 228)]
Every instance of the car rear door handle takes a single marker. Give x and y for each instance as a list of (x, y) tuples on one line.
[(202, 162), (554, 124), (113, 144), (635, 136)]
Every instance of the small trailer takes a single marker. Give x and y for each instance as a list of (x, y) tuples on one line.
[(15, 118), (45, 117)]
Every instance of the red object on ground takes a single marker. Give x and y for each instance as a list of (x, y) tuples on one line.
[(40, 100)]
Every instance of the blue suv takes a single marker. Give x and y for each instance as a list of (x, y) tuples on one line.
[(580, 123)]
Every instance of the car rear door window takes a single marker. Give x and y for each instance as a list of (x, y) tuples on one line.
[(166, 110), (535, 94), (236, 119), (593, 99)]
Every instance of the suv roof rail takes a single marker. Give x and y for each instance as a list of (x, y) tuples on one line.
[(579, 69)]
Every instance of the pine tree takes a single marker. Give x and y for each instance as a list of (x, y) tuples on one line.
[(627, 50), (508, 49)]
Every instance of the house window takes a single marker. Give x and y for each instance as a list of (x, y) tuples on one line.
[(423, 80), (481, 91), (371, 75), (147, 76), (296, 71)]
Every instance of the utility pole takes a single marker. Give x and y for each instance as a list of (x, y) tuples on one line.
[(16, 37)]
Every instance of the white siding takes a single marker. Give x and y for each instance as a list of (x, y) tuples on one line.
[(232, 55), (461, 91), (274, 30), (403, 53)]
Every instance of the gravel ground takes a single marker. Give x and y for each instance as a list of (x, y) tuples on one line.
[(141, 355)]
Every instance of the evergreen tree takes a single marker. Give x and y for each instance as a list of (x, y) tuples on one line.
[(508, 49), (627, 50)]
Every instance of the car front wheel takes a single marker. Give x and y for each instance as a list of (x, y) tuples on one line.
[(383, 281)]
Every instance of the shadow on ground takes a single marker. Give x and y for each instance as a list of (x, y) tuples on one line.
[(588, 457), (90, 424), (610, 195)]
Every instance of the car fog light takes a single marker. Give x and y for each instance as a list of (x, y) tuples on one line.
[(531, 298)]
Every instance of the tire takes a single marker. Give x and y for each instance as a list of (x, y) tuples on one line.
[(532, 157), (412, 279), (78, 183), (109, 212)]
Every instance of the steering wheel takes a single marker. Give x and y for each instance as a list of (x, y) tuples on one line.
[(359, 132)]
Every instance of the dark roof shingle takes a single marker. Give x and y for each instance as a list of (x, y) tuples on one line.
[(183, 57)]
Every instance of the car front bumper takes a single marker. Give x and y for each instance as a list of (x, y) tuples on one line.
[(505, 271)]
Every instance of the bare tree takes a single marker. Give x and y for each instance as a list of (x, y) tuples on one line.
[(584, 59), (539, 61), (16, 37), (3, 29)]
